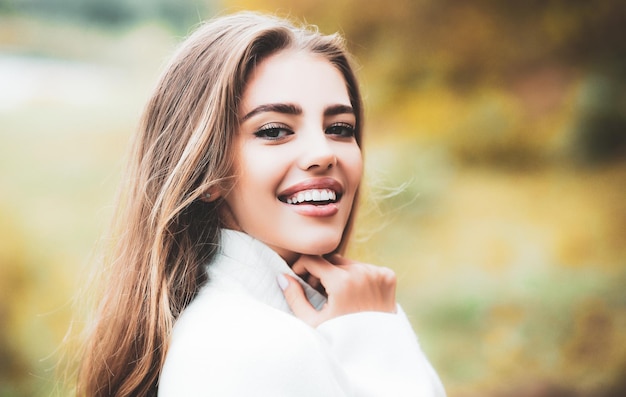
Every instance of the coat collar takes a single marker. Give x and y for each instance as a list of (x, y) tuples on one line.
[(254, 266)]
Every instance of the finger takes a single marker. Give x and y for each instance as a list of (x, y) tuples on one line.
[(296, 299), (331, 277), (339, 260), (299, 269), (317, 266), (384, 273)]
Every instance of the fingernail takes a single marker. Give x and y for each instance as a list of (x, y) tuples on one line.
[(283, 283)]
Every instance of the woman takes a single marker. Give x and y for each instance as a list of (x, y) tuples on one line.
[(227, 277)]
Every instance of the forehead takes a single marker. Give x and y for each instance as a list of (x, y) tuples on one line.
[(295, 77)]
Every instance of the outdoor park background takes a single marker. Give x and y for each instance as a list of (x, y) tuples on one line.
[(500, 127)]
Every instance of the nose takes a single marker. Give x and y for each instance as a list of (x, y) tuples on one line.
[(317, 153)]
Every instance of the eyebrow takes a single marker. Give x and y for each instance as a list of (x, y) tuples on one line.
[(286, 108), (338, 109)]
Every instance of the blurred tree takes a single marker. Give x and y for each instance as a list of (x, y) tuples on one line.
[(16, 285), (601, 131), (492, 83), (535, 52), (179, 14)]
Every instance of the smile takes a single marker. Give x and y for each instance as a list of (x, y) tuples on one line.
[(315, 191), (313, 196)]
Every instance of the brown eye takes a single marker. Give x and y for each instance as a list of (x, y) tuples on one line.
[(273, 132), (343, 130)]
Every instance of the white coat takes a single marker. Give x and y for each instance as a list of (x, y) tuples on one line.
[(239, 338)]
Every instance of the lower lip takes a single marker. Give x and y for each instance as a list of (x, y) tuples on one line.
[(315, 210)]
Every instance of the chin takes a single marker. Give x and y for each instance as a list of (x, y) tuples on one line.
[(321, 246)]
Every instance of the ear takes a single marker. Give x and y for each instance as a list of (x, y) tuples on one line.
[(210, 195)]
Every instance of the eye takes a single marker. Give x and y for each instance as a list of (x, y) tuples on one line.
[(343, 130), (273, 132)]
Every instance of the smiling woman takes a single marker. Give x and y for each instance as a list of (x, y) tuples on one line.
[(227, 276), (296, 142)]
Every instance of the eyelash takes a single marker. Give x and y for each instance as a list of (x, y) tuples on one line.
[(273, 128), (346, 130), (272, 132)]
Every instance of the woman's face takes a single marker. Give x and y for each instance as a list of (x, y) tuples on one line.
[(298, 162)]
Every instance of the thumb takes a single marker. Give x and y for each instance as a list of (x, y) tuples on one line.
[(296, 299)]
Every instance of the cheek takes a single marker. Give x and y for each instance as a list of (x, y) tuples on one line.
[(353, 163), (247, 170), (259, 173)]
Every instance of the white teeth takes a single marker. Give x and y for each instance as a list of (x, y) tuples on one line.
[(312, 195)]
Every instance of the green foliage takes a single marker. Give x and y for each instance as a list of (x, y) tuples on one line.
[(495, 82), (482, 121), (16, 286), (179, 14)]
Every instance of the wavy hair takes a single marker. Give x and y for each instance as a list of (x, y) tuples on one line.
[(163, 233)]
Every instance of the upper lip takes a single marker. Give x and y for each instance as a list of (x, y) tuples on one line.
[(315, 183)]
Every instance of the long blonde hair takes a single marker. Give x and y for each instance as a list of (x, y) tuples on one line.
[(163, 232)]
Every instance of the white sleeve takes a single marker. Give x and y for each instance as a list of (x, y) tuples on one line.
[(266, 369), (380, 355), (264, 353)]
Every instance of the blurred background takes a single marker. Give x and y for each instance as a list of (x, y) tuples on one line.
[(496, 172)]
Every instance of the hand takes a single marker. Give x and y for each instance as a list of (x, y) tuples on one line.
[(351, 287)]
